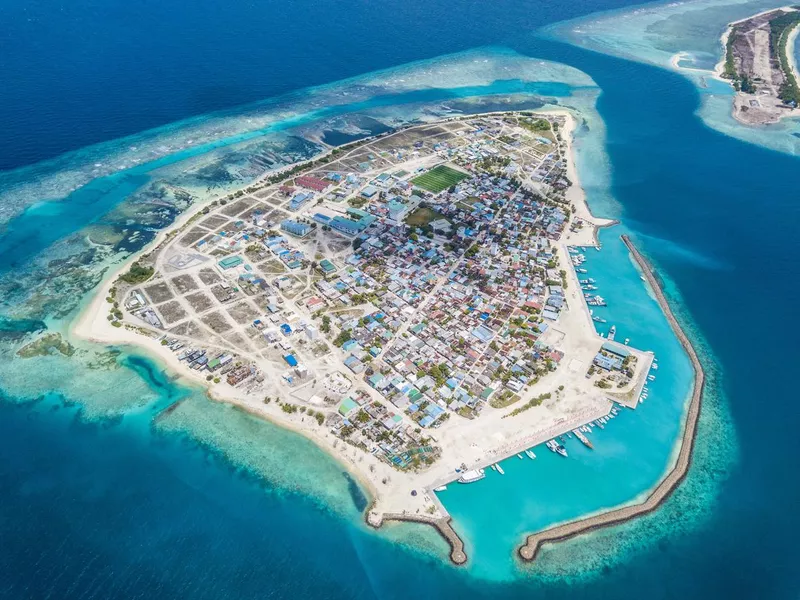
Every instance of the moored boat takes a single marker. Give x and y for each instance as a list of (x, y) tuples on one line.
[(472, 476)]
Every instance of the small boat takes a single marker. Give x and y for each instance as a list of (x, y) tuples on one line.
[(598, 248), (441, 488), (519, 456), (500, 469), (612, 333), (627, 341), (581, 271), (598, 320), (561, 450), (472, 476), (651, 378), (530, 454), (599, 424), (654, 366), (494, 467)]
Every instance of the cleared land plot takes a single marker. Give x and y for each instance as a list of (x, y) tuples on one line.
[(158, 293), (184, 283), (209, 276), (422, 217), (259, 210), (238, 207), (438, 179), (222, 294), (200, 302), (217, 322), (193, 235), (243, 313), (213, 221), (189, 329), (172, 312)]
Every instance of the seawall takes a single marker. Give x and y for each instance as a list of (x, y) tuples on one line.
[(442, 525), (534, 542)]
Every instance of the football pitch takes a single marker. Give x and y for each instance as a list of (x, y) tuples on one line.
[(438, 179)]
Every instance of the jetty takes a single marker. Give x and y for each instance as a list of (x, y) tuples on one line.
[(442, 525), (661, 492)]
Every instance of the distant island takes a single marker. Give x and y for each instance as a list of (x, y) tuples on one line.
[(759, 62), (413, 302)]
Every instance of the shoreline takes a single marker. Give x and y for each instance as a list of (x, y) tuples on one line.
[(91, 324), (679, 470)]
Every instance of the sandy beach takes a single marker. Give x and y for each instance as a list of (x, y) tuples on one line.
[(475, 443)]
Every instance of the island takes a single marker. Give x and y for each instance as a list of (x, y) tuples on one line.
[(413, 302), (759, 62)]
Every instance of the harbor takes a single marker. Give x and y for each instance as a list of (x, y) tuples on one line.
[(627, 458)]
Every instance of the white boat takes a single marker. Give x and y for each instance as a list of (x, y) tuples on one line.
[(441, 488), (471, 476), (561, 450), (519, 456), (612, 333), (651, 378), (530, 454), (494, 467), (500, 469)]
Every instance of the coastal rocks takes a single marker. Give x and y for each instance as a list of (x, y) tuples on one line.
[(50, 343)]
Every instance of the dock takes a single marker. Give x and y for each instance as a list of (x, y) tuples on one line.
[(534, 542)]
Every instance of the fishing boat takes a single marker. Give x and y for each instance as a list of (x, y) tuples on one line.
[(500, 469), (584, 440), (441, 488), (530, 454), (472, 476)]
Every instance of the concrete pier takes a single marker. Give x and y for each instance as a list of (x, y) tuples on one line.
[(534, 542)]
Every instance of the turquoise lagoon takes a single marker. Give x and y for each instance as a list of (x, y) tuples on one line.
[(123, 392)]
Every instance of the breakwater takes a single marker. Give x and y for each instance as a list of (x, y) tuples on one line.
[(442, 525), (534, 542)]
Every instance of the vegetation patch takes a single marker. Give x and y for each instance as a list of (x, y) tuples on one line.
[(138, 273), (50, 343)]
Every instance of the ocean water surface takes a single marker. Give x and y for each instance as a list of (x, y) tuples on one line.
[(105, 495)]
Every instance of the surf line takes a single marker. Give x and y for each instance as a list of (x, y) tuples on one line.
[(662, 491)]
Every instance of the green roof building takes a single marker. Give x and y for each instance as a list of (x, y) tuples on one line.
[(347, 406)]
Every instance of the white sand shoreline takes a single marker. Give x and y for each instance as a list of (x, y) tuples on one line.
[(388, 488)]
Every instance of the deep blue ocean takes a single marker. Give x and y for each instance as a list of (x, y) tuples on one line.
[(112, 509)]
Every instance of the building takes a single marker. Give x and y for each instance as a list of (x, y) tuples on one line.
[(299, 200), (312, 183), (295, 227), (347, 407), (369, 192), (231, 262)]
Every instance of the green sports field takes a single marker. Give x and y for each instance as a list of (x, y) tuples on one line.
[(438, 179)]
